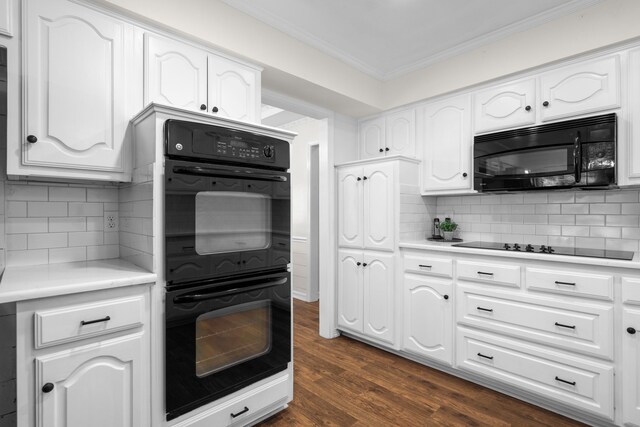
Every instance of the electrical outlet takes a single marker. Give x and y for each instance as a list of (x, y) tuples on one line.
[(111, 221)]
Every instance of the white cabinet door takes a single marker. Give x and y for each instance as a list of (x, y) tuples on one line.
[(372, 138), (233, 89), (447, 145), (350, 284), (428, 318), (628, 148), (378, 207), (401, 133), (76, 90), (176, 74), (97, 385), (379, 296), (579, 89), (5, 17), (631, 366), (505, 106), (350, 223)]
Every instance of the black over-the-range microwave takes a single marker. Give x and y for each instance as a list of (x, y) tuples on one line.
[(577, 153)]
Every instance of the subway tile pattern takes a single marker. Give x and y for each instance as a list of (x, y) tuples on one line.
[(416, 213), (136, 222), (590, 219), (47, 223)]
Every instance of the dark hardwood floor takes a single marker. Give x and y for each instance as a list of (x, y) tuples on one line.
[(342, 382)]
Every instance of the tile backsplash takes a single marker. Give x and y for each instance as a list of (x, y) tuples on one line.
[(590, 219), (54, 223)]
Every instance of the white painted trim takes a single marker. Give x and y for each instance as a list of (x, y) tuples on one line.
[(303, 296), (334, 51), (298, 239)]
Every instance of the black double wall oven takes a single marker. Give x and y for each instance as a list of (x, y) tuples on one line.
[(227, 244)]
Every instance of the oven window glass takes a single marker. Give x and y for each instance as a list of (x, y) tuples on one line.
[(232, 222), (232, 335), (550, 161)]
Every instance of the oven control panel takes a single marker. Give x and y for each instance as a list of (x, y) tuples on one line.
[(244, 149)]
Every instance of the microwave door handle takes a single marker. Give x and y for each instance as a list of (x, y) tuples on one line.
[(222, 173), (577, 158), (189, 298)]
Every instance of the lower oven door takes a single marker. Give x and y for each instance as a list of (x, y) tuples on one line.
[(222, 337)]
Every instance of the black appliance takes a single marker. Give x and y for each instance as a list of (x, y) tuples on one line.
[(227, 250), (577, 153), (551, 250)]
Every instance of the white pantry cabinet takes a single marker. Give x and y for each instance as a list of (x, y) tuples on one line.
[(366, 290), (391, 134), (95, 370), (581, 88), (78, 94), (181, 75), (445, 131), (366, 212)]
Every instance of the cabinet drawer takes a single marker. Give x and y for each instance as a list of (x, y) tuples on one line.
[(505, 275), (631, 290), (430, 265), (574, 381), (76, 322), (598, 286), (245, 407), (577, 326)]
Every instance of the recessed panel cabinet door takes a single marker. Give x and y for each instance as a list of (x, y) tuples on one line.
[(379, 296), (631, 366), (378, 207), (350, 289), (176, 74), (428, 321), (233, 89), (447, 145), (350, 223), (75, 87), (505, 106), (372, 138), (96, 385), (581, 88), (401, 133)]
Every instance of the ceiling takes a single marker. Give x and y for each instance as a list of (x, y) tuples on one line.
[(389, 38)]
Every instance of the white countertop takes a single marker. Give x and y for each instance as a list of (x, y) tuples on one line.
[(38, 281), (447, 247)]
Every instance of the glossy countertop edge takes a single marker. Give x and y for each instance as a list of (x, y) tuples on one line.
[(47, 280), (448, 247)]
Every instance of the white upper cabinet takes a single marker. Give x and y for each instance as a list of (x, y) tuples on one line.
[(176, 74), (76, 93), (505, 106), (391, 134), (184, 76), (628, 147), (579, 89), (445, 127), (6, 27)]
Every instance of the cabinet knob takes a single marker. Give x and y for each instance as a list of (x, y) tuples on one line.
[(214, 110), (528, 108), (631, 330), (47, 387), (203, 107), (32, 139), (359, 179), (381, 150), (364, 177), (386, 148), (464, 175), (446, 297), (364, 264), (545, 104), (358, 263)]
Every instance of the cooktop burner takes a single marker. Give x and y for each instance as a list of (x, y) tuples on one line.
[(558, 250)]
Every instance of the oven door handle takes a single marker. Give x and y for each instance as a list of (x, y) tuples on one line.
[(222, 173), (577, 158), (190, 298)]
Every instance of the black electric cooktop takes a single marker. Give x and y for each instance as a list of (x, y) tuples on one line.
[(553, 250)]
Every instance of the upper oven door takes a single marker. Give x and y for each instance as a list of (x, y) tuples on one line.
[(221, 220)]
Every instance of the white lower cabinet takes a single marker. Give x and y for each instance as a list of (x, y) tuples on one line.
[(96, 370), (428, 318), (366, 294), (631, 351), (578, 382)]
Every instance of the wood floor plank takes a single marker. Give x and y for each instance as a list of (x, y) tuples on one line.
[(343, 382)]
